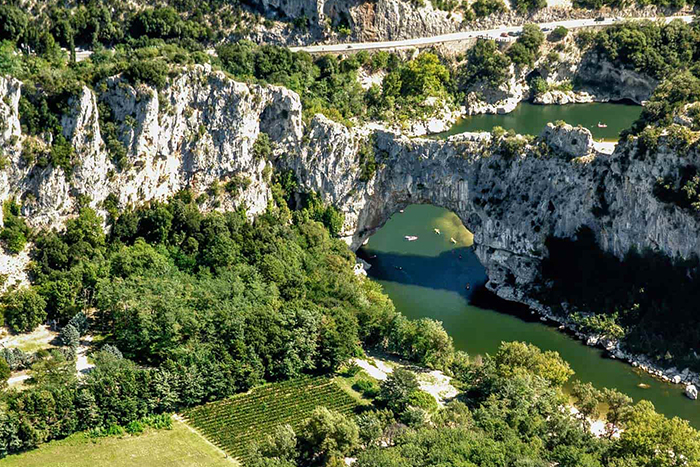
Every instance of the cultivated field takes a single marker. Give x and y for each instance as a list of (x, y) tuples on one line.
[(234, 424), (179, 447)]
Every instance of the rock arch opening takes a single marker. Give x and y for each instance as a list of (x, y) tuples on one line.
[(427, 247)]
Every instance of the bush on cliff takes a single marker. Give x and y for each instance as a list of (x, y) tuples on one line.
[(485, 63), (14, 232), (649, 47), (484, 8)]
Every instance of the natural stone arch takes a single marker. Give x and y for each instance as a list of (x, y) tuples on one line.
[(512, 198)]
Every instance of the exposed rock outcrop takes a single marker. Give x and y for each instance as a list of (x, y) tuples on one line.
[(511, 204), (383, 20), (197, 131), (597, 80), (200, 128)]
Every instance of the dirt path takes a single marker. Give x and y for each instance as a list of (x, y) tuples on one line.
[(435, 382), (40, 338), (82, 366)]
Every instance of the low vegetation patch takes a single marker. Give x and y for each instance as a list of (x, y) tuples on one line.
[(177, 447)]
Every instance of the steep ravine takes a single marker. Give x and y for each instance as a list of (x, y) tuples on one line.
[(201, 129)]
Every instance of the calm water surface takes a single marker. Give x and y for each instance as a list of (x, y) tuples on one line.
[(530, 119), (432, 283)]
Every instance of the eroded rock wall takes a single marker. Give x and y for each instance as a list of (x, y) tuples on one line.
[(384, 20), (511, 204), (200, 129)]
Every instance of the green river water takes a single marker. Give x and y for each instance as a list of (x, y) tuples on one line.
[(428, 277), (529, 119)]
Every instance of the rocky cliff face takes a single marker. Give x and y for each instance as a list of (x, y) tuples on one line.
[(510, 203), (596, 78), (382, 20), (201, 128)]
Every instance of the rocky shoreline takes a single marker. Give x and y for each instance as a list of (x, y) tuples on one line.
[(688, 379)]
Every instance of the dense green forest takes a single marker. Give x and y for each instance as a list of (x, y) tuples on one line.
[(191, 308)]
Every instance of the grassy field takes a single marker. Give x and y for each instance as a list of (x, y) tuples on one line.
[(234, 424), (177, 447)]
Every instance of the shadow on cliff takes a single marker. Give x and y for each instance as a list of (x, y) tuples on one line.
[(457, 270)]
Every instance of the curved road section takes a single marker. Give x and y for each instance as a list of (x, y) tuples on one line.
[(460, 36)]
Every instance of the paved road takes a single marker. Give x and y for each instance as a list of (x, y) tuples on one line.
[(459, 36)]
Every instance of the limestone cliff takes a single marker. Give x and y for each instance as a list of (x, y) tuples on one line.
[(200, 129), (510, 203), (596, 80)]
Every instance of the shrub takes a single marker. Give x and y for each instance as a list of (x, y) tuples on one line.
[(16, 358), (396, 390), (13, 23), (368, 162), (513, 358), (135, 427), (112, 351), (236, 185), (262, 148), (351, 370), (15, 230), (485, 63), (326, 435), (80, 323), (487, 7), (423, 400), (330, 216), (157, 22), (5, 373), (604, 325), (69, 336), (150, 71), (559, 33), (367, 387), (24, 310), (539, 86), (159, 422), (61, 154), (525, 6)]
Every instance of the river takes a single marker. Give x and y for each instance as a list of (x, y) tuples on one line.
[(428, 277), (529, 119)]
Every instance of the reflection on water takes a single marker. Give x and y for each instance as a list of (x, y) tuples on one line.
[(429, 277)]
